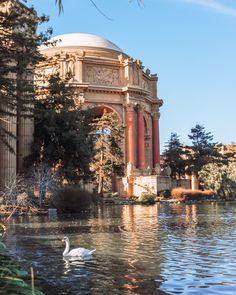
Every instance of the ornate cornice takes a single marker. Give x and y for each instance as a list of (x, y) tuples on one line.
[(104, 89), (136, 90)]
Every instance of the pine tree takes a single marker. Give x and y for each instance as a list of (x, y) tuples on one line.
[(173, 156), (62, 129), (202, 151), (18, 56), (108, 159)]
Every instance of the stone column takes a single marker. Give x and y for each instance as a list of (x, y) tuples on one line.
[(8, 158), (79, 70), (156, 142), (25, 134), (128, 71), (130, 136), (194, 182), (141, 140)]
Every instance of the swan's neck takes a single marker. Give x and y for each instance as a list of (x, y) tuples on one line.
[(67, 248)]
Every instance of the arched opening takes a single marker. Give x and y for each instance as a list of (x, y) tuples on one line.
[(108, 161), (99, 110)]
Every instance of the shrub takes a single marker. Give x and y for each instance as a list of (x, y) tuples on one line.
[(219, 178), (164, 194), (147, 199), (113, 195), (183, 194), (73, 199)]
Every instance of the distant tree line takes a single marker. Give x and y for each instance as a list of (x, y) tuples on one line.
[(212, 163)]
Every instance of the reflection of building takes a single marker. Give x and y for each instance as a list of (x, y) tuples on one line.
[(105, 77), (15, 122)]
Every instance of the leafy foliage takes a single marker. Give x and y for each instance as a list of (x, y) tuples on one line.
[(219, 178), (108, 159), (147, 199), (13, 280)]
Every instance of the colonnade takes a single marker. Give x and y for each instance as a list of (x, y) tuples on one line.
[(11, 162), (135, 137)]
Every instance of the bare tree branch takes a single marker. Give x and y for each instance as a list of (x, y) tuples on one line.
[(99, 10), (60, 5)]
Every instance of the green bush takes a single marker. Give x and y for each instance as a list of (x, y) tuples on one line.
[(219, 178), (72, 199), (147, 199)]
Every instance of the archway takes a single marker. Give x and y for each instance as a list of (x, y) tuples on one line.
[(108, 160)]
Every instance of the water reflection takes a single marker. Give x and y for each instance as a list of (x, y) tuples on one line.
[(160, 249)]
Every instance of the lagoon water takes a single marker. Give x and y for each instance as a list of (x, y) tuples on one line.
[(159, 249)]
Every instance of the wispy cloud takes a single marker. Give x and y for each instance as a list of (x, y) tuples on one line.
[(214, 5)]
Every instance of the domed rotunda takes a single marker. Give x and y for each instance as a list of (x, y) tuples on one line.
[(104, 76)]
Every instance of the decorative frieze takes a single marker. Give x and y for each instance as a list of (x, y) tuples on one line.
[(102, 75)]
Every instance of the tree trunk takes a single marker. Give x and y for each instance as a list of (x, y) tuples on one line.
[(100, 181)]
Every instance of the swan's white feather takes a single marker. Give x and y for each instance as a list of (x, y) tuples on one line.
[(77, 252), (80, 252)]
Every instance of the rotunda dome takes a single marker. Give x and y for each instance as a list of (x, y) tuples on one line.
[(83, 40)]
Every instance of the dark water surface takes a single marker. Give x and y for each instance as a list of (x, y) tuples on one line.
[(160, 249)]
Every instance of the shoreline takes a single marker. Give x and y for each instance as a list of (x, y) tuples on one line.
[(114, 201)]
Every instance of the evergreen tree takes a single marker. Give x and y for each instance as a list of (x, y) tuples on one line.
[(202, 151), (18, 56), (62, 129), (108, 159), (173, 156)]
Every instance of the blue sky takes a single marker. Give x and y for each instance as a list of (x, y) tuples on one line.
[(190, 44)]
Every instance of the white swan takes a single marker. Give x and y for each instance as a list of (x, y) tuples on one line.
[(77, 252)]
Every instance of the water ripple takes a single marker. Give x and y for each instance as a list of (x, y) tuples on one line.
[(161, 249)]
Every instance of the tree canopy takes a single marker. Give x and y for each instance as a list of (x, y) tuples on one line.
[(18, 56), (173, 156), (219, 178), (62, 131), (108, 158), (202, 151), (189, 159)]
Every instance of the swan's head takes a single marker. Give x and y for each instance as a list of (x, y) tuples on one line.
[(65, 239)]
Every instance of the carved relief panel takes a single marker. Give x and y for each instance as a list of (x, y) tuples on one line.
[(101, 75), (43, 73)]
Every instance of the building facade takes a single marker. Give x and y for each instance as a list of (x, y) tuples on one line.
[(106, 78)]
